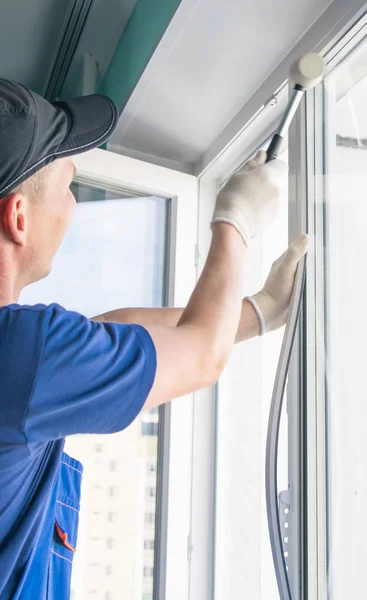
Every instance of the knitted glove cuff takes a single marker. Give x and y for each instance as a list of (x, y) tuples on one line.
[(256, 308)]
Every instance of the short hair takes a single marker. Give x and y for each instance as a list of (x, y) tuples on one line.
[(35, 184)]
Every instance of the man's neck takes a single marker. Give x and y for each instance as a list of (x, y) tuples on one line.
[(9, 290), (7, 295)]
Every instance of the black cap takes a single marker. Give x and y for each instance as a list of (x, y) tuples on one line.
[(35, 132)]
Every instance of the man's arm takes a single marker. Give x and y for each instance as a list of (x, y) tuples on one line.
[(248, 328), (193, 353), (272, 301)]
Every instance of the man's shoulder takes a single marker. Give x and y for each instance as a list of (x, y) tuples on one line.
[(26, 313), (22, 322), (19, 309)]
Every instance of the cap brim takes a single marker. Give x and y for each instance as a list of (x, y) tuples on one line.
[(61, 129), (91, 122)]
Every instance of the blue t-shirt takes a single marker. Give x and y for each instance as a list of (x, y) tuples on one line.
[(60, 374)]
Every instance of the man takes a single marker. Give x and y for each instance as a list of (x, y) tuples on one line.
[(62, 373)]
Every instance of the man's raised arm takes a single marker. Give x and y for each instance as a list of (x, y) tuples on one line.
[(193, 344)]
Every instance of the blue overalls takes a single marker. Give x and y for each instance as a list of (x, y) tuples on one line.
[(57, 542)]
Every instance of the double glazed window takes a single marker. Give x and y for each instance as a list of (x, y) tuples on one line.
[(322, 454), (341, 232)]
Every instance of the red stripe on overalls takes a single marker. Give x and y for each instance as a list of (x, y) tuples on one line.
[(64, 536)]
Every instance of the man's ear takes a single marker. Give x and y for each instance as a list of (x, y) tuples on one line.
[(13, 218)]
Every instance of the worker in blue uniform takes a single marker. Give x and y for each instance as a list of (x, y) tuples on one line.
[(63, 374)]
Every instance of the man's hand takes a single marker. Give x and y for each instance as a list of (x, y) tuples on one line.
[(272, 302), (250, 199)]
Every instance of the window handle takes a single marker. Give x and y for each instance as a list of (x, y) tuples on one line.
[(271, 465)]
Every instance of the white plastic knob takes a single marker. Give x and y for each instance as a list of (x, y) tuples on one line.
[(308, 70)]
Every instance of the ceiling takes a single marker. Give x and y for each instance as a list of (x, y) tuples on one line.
[(190, 83), (212, 58)]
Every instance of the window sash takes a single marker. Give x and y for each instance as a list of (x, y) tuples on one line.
[(174, 466), (202, 580)]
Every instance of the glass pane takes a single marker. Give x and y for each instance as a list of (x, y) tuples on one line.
[(346, 283), (243, 559), (113, 256)]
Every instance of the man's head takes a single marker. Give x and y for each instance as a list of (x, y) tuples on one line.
[(34, 218), (37, 139)]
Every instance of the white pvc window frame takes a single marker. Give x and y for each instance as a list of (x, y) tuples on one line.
[(306, 408), (104, 168), (308, 371)]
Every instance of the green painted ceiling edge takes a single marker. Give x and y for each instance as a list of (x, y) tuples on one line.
[(143, 32)]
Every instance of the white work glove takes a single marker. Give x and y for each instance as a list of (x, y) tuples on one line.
[(272, 302), (250, 199)]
